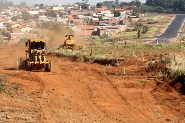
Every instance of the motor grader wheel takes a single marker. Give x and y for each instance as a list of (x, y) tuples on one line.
[(73, 47), (28, 65), (65, 47), (48, 67), (30, 68)]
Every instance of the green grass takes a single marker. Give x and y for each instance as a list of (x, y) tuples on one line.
[(115, 51)]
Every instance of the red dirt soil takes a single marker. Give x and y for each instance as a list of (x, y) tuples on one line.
[(77, 92)]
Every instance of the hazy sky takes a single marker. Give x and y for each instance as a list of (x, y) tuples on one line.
[(51, 2)]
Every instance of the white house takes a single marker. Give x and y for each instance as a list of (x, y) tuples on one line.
[(57, 8), (33, 12)]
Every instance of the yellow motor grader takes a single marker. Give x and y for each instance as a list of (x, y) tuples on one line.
[(35, 55), (69, 42)]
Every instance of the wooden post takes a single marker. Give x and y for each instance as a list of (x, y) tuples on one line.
[(91, 52), (133, 53), (17, 65), (160, 59)]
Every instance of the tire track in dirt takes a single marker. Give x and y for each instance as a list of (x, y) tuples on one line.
[(120, 101), (105, 84), (79, 92), (52, 99), (41, 99), (95, 108), (113, 86), (33, 78), (87, 94)]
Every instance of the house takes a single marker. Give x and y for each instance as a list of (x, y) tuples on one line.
[(58, 8), (62, 20), (45, 18), (107, 13), (84, 6), (26, 29), (103, 8), (135, 19), (15, 35), (128, 11), (86, 30), (101, 30), (42, 18), (2, 27), (125, 7), (33, 12), (75, 6), (110, 30), (95, 21)]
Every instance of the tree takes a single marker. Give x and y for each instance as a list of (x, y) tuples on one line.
[(10, 3), (130, 20), (41, 6), (117, 13), (99, 5), (158, 9), (8, 26), (124, 3), (23, 4), (14, 18), (108, 4), (182, 5), (4, 33), (36, 5), (135, 3), (44, 25), (141, 29), (26, 16), (114, 7), (84, 6), (166, 4), (100, 18), (50, 13), (116, 3), (145, 8)]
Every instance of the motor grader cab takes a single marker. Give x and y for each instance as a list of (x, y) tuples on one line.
[(69, 42), (35, 55)]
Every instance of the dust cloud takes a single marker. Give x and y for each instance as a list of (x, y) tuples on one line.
[(56, 35)]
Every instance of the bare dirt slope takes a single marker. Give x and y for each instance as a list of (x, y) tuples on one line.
[(76, 92)]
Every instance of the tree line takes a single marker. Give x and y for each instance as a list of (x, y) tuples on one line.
[(158, 6), (169, 5)]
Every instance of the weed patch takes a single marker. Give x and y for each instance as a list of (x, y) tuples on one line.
[(8, 88)]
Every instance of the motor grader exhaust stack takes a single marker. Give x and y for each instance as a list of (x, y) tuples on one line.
[(35, 55)]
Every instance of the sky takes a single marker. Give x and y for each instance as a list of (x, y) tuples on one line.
[(52, 2)]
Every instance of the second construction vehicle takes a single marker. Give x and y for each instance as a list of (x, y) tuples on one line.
[(35, 55), (69, 42)]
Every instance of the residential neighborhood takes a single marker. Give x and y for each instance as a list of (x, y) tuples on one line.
[(21, 22)]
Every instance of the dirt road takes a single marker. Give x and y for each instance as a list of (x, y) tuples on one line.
[(76, 92)]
